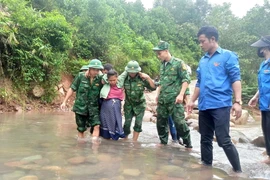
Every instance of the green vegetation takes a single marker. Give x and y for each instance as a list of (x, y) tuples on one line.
[(40, 40)]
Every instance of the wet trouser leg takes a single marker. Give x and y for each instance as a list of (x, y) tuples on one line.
[(181, 126), (172, 128), (139, 113), (129, 113), (265, 129), (162, 123), (219, 120), (206, 129), (81, 121)]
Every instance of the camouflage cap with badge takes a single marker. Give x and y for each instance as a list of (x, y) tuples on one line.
[(162, 45), (133, 67), (95, 64)]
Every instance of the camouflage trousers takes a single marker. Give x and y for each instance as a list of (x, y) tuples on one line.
[(90, 120), (131, 111), (177, 113)]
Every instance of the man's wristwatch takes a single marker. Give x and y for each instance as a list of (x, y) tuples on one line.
[(238, 102)]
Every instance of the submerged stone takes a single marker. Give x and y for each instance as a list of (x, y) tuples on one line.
[(131, 172), (29, 178), (31, 158), (13, 175), (77, 160), (52, 168)]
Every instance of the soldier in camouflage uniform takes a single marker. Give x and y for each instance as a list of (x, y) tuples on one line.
[(84, 68), (135, 103), (174, 80), (86, 107)]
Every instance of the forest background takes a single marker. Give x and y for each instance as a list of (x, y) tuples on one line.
[(42, 39)]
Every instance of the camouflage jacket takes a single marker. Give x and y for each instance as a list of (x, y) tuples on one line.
[(171, 78), (134, 89), (87, 94)]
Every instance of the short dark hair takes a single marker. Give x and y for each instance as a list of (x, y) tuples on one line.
[(111, 73), (108, 66), (208, 31)]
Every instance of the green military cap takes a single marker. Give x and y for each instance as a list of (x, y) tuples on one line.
[(84, 67), (133, 67), (96, 64), (162, 45)]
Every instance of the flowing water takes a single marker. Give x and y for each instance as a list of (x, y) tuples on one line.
[(43, 146)]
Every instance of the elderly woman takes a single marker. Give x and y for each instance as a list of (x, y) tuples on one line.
[(263, 94)]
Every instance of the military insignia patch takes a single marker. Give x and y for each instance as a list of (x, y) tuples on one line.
[(184, 67)]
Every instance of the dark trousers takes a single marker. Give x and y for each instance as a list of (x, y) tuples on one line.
[(172, 129), (217, 121), (266, 129)]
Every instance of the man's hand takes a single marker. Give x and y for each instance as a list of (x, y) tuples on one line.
[(144, 76), (237, 110), (189, 107), (253, 102), (63, 106), (179, 99)]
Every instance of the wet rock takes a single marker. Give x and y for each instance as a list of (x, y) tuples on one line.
[(92, 160), (38, 91), (81, 170), (244, 140), (6, 169), (171, 168), (234, 141), (14, 164), (104, 157), (195, 166), (29, 178), (238, 136), (242, 120), (196, 128), (13, 175), (18, 108), (42, 161), (52, 168), (31, 159), (257, 117), (192, 123), (259, 141), (131, 172), (77, 160), (30, 166), (193, 116), (116, 178)]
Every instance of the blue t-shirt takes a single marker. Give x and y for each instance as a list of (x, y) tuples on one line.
[(215, 75), (264, 85)]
